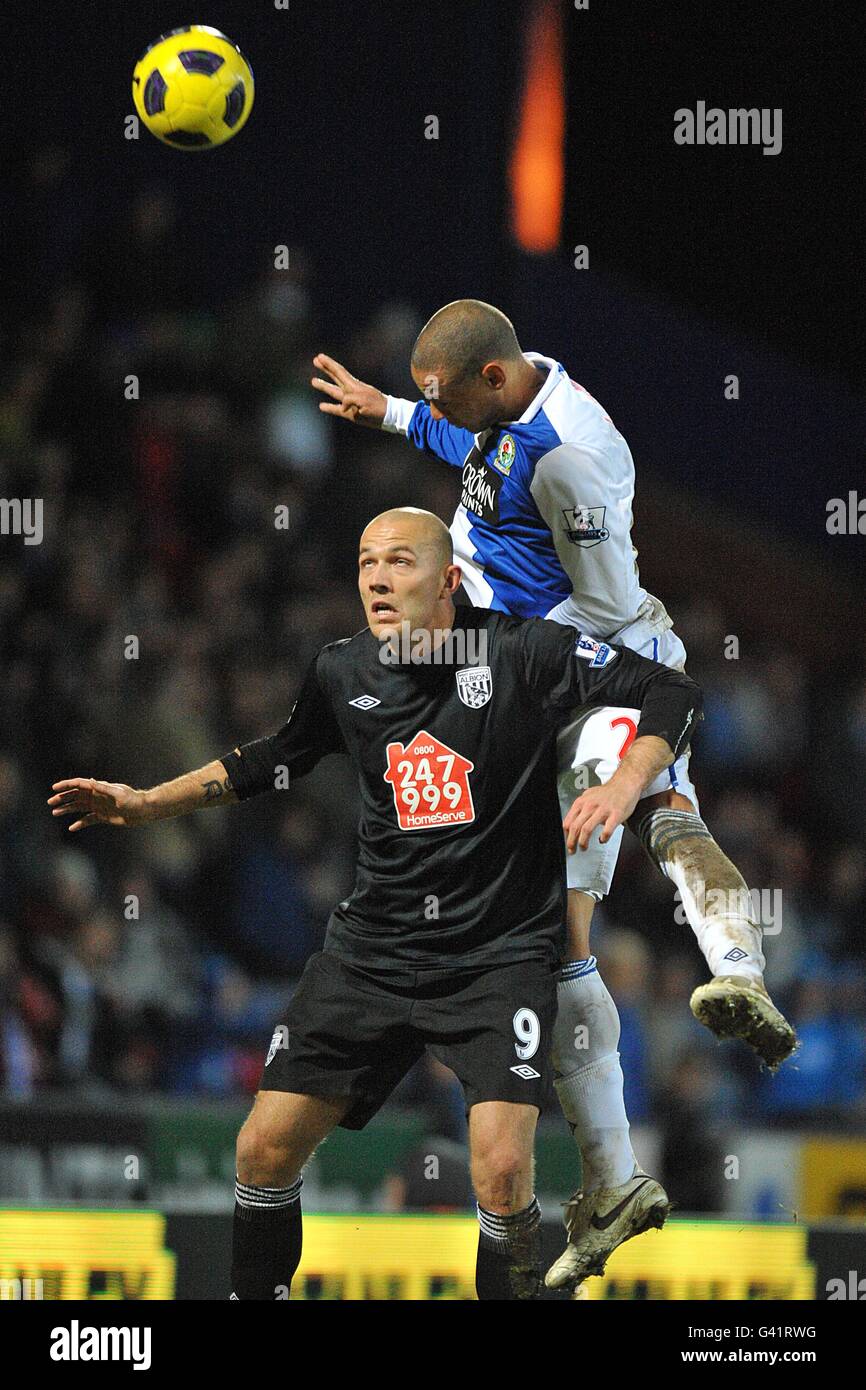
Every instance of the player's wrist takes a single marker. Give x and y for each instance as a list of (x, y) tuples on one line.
[(398, 413), (629, 782), (149, 804)]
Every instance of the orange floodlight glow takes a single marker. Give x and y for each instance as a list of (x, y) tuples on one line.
[(537, 171)]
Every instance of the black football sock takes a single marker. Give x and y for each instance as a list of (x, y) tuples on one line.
[(266, 1241), (509, 1254)]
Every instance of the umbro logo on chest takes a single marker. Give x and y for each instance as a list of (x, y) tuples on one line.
[(365, 702)]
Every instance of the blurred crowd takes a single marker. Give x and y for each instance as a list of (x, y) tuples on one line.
[(200, 525)]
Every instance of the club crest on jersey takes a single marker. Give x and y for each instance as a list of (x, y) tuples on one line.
[(505, 454), (585, 525), (596, 653), (475, 686)]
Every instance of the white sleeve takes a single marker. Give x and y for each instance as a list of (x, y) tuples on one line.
[(587, 505), (398, 413)]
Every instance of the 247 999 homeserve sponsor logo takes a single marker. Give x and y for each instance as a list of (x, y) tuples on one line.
[(430, 782)]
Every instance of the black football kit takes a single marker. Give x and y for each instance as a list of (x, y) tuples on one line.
[(451, 936)]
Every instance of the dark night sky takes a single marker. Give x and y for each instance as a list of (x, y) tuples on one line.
[(760, 253)]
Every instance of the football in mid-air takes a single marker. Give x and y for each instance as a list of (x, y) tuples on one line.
[(193, 88)]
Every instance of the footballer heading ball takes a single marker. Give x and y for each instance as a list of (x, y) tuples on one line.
[(193, 88)]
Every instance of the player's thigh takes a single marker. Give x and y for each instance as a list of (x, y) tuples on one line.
[(281, 1132), (495, 1031), (589, 749), (346, 1034)]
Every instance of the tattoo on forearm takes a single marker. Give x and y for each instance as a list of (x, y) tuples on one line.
[(214, 789)]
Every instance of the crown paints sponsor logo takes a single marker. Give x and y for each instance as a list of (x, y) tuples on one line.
[(736, 126), (480, 490), (77, 1343)]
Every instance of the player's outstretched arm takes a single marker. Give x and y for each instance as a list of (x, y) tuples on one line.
[(354, 400), (348, 398), (113, 803)]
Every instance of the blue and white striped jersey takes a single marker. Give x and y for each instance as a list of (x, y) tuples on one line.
[(544, 522)]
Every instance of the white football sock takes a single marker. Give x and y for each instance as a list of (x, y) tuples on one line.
[(713, 892), (589, 1083)]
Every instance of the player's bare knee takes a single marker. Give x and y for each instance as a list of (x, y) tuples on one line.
[(262, 1159), (502, 1190), (499, 1177)]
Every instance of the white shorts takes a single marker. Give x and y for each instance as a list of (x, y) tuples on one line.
[(588, 752)]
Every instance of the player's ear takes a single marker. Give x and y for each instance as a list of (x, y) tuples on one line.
[(452, 578), (494, 375)]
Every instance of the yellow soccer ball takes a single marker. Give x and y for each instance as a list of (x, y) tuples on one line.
[(193, 88)]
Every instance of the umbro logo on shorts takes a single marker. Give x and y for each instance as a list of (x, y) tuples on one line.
[(528, 1073), (365, 702)]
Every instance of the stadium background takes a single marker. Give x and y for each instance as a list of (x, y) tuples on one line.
[(127, 1037)]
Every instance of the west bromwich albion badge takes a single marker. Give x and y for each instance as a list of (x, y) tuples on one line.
[(475, 686)]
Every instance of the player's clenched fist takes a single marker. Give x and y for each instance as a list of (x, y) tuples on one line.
[(349, 398), (98, 803)]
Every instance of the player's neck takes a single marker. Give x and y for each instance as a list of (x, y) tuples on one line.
[(528, 381), (443, 619)]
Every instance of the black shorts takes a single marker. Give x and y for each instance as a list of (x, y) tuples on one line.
[(354, 1033)]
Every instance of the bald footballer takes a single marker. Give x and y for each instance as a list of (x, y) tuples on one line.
[(450, 718)]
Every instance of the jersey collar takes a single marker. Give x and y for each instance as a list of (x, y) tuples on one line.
[(553, 377)]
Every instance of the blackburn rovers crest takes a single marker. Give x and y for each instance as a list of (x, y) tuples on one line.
[(505, 454), (475, 686)]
